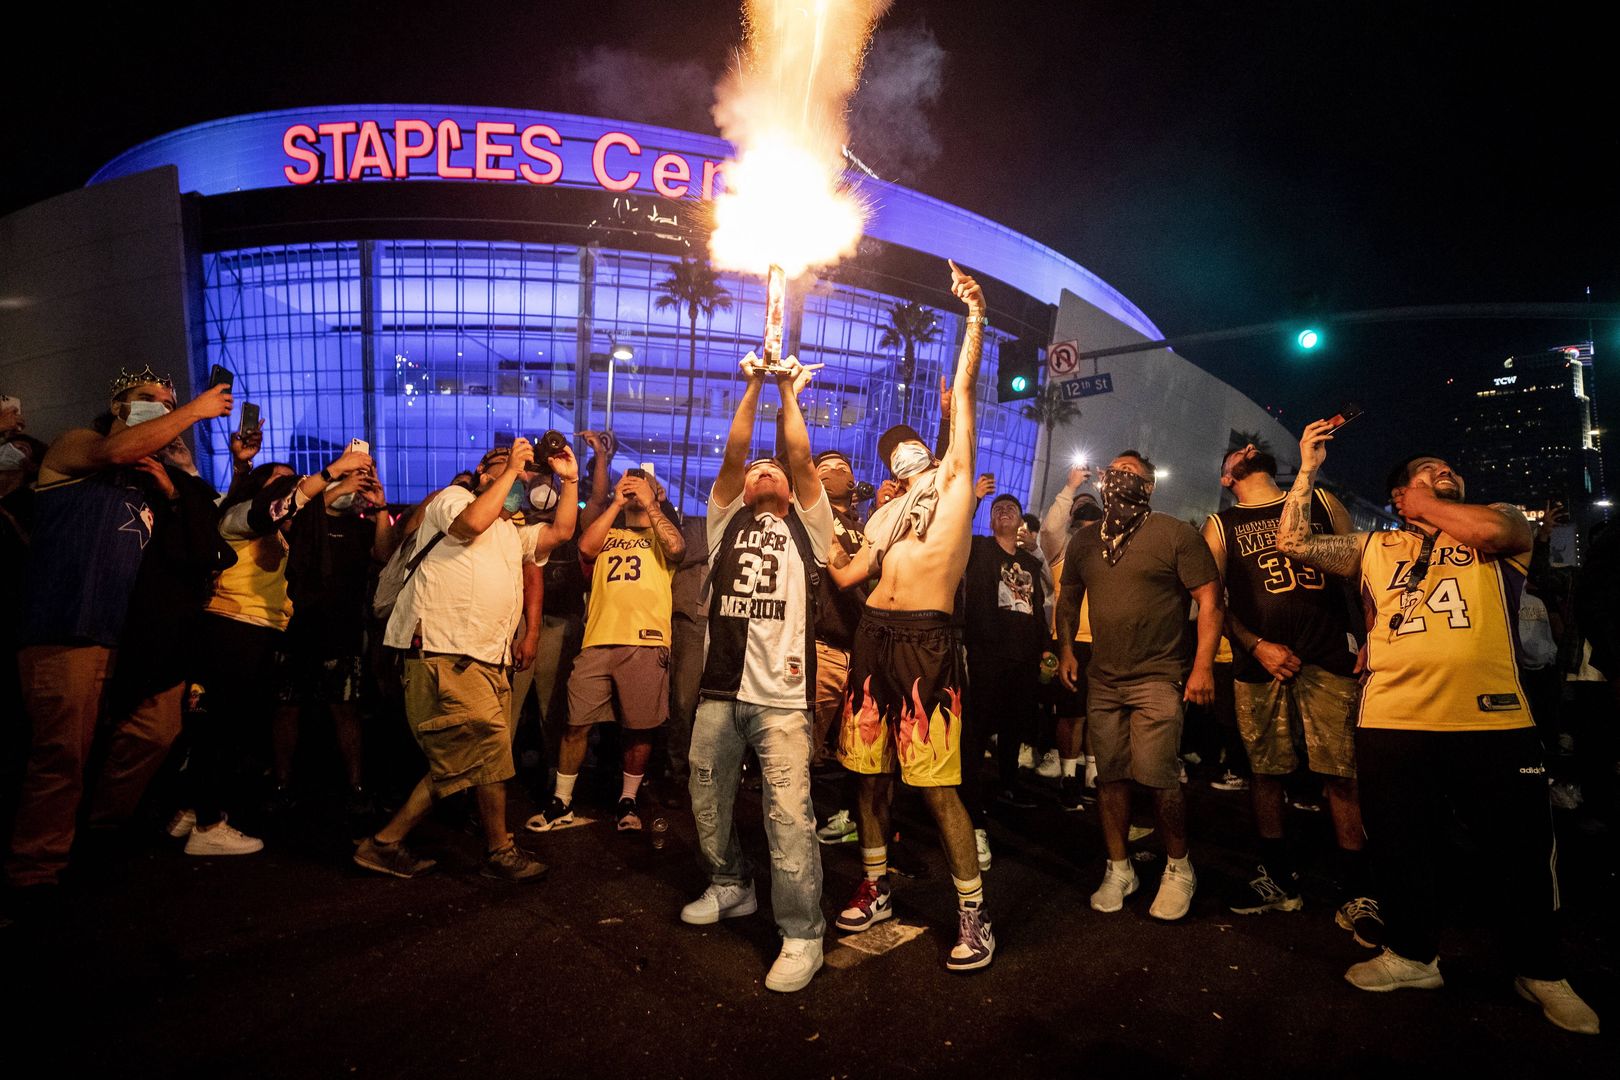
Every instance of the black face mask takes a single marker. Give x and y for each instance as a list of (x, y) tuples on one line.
[(1085, 512), (1125, 507)]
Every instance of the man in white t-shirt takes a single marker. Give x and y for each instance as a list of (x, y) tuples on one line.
[(767, 548), (455, 619)]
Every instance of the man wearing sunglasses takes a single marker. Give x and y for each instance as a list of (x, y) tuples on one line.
[(1444, 725)]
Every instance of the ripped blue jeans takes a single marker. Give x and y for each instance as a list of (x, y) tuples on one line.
[(721, 732)]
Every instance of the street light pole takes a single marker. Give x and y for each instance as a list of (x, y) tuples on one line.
[(617, 351)]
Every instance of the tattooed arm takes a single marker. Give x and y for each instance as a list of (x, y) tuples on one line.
[(957, 460), (1334, 553), (669, 535)]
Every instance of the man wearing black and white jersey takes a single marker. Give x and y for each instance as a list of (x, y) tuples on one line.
[(766, 553)]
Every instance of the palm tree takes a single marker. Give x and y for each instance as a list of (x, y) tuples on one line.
[(692, 284), (1050, 410), (910, 325), (1240, 439)]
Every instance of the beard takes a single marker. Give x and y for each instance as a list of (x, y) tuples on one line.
[(1260, 463), (1452, 492)]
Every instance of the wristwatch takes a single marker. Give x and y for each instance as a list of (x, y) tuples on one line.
[(327, 476)]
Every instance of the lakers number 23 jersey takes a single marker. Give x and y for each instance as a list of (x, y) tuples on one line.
[(1449, 661)]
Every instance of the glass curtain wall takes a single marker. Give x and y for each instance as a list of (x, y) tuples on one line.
[(434, 351)]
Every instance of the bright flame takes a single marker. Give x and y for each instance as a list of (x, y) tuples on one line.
[(784, 200)]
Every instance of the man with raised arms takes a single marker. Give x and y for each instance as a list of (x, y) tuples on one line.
[(768, 531), (1444, 728), (904, 708)]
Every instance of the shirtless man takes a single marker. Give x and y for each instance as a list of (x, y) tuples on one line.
[(905, 655)]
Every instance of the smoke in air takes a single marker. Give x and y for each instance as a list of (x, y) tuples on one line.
[(784, 110)]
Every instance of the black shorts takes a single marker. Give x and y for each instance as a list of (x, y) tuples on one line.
[(903, 707), (1066, 702)]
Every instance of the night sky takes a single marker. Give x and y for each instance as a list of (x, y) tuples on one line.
[(1219, 163)]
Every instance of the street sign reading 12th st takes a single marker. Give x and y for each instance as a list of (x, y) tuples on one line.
[(1088, 386)]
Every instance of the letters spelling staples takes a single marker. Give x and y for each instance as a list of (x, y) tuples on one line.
[(356, 150)]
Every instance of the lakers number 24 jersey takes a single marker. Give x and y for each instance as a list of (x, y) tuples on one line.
[(1448, 663)]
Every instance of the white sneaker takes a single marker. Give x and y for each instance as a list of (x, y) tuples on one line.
[(1559, 1004), (1026, 756), (981, 844), (222, 839), (720, 901), (1050, 767), (840, 829), (795, 965), (181, 824), (1390, 970), (1175, 895), (1116, 886)]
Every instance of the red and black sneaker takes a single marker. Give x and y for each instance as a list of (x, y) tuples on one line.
[(871, 904)]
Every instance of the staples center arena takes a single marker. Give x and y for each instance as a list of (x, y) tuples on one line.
[(436, 280)]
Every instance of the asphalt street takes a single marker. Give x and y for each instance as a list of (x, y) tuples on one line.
[(296, 963)]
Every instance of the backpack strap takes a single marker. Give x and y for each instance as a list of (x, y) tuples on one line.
[(416, 560)]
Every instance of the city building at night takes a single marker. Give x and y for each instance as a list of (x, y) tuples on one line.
[(1526, 431), (436, 280)]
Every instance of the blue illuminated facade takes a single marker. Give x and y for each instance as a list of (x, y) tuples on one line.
[(441, 313)]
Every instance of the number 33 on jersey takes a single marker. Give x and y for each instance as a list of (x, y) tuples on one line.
[(1450, 664)]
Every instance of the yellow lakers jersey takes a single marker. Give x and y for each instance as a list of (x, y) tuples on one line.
[(630, 591), (1082, 631), (1449, 661)]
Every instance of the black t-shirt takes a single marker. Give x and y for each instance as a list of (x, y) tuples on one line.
[(1005, 605), (839, 610), (329, 581), (1139, 605), (1282, 601), (565, 583)]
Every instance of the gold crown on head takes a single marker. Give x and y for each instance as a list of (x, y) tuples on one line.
[(127, 378)]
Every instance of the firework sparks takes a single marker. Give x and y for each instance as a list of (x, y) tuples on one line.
[(785, 202)]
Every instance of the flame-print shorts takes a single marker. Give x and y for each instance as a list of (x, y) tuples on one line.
[(904, 703)]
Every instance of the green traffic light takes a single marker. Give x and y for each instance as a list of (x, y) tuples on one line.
[(1020, 383), (1309, 339)]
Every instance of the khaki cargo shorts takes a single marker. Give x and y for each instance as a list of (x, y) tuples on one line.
[(457, 709), (1315, 709)]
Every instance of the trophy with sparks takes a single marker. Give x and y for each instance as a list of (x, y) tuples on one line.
[(775, 309), (785, 207)]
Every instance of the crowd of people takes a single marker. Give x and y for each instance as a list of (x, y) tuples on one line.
[(161, 623)]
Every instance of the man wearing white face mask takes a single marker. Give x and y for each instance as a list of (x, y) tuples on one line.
[(90, 531), (903, 712)]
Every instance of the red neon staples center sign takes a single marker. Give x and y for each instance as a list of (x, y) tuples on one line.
[(494, 150)]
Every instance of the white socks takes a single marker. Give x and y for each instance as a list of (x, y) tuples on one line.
[(1070, 765), (632, 784), (565, 788)]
